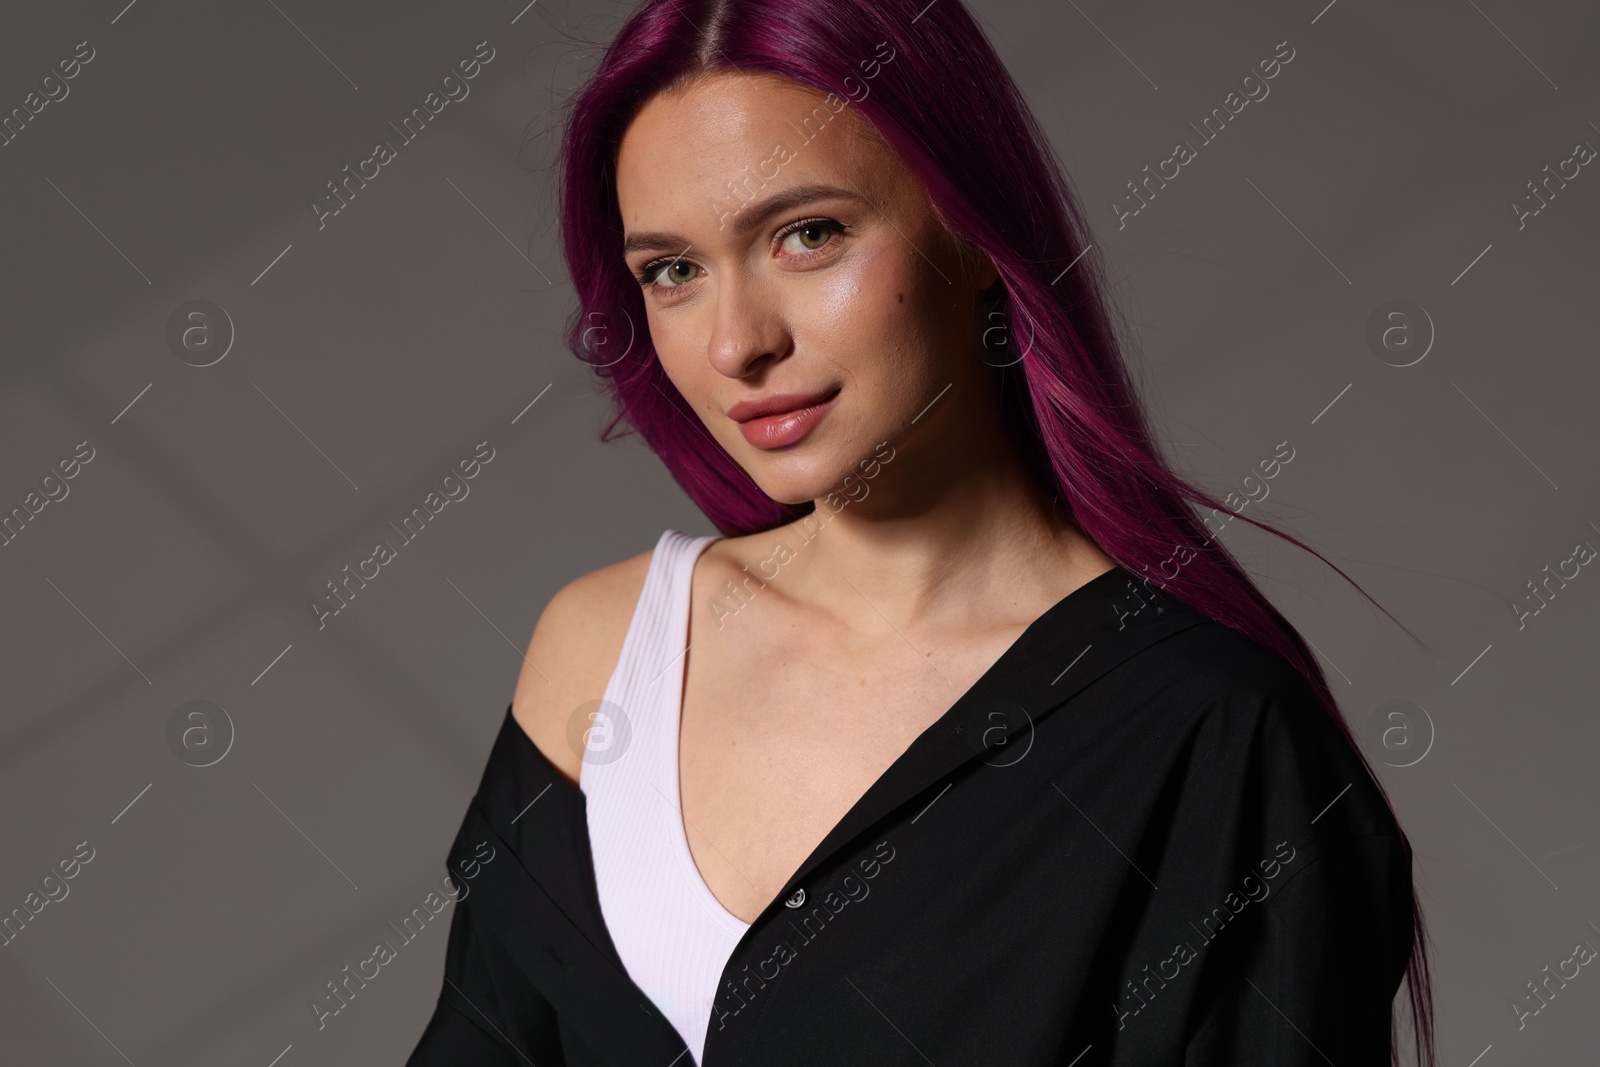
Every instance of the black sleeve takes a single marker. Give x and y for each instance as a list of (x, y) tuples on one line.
[(469, 1024), (1315, 985)]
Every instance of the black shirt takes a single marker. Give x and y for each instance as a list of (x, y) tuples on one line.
[(1137, 839)]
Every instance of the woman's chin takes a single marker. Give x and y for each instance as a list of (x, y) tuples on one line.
[(800, 490), (812, 469), (791, 496)]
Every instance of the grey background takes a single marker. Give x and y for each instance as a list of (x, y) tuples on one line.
[(372, 354)]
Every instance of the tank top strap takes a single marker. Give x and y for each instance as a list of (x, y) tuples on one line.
[(640, 690)]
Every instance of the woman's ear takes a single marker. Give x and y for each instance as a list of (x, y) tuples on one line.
[(989, 323), (977, 269), (992, 295), (987, 274), (980, 270)]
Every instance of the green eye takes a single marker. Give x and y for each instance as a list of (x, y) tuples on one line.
[(810, 235), (668, 274), (813, 236)]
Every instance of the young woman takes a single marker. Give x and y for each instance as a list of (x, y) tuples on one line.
[(966, 741)]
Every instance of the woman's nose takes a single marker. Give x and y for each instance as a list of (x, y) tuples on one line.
[(748, 328)]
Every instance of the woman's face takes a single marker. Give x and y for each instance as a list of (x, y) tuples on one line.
[(790, 260)]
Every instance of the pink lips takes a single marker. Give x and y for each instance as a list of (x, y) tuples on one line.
[(781, 421)]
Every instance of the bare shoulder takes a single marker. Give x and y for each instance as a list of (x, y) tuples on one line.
[(574, 648)]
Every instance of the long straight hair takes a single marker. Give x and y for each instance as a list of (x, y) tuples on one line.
[(926, 79)]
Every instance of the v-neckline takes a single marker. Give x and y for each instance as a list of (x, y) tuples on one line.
[(674, 747)]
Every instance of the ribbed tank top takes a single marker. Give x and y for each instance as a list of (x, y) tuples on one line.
[(672, 933)]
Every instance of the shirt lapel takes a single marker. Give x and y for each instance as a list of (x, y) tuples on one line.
[(1090, 631)]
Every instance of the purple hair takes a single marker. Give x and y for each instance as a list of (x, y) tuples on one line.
[(956, 119)]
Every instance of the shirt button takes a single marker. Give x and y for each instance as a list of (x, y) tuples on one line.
[(796, 899)]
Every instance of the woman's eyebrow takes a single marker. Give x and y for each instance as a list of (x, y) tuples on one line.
[(749, 216)]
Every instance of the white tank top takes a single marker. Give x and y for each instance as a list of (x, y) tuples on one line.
[(672, 933)]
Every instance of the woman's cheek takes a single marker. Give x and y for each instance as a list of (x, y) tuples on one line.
[(674, 338), (865, 302), (844, 295)]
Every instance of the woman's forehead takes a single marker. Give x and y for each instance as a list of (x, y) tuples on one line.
[(734, 134)]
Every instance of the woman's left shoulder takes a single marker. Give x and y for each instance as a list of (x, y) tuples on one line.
[(1260, 733), (1266, 811), (1215, 658)]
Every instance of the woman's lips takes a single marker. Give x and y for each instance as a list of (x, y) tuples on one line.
[(785, 428)]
